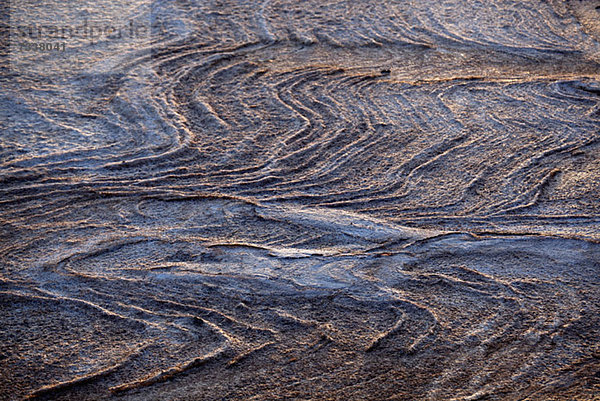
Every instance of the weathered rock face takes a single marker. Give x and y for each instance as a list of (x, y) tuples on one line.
[(301, 200)]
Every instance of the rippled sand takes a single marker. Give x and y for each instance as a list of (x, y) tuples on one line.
[(304, 200)]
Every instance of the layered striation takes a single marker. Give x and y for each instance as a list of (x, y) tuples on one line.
[(306, 200)]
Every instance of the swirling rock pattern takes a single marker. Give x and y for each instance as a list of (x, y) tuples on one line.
[(306, 200)]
